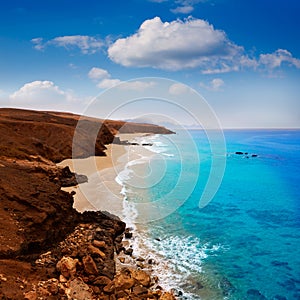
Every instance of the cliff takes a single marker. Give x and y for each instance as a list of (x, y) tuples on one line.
[(35, 214)]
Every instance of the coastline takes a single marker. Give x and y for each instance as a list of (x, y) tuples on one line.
[(110, 191), (103, 191), (39, 217)]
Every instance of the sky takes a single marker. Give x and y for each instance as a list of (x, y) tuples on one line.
[(242, 57)]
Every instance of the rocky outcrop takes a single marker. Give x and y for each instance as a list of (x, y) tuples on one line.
[(83, 273), (36, 215)]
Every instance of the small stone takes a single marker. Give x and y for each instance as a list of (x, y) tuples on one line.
[(53, 287), (139, 289), (140, 265), (140, 259), (128, 234), (110, 288), (96, 290), (67, 266), (30, 295), (121, 294), (99, 244), (95, 251), (142, 277), (79, 290), (128, 251), (62, 278), (123, 282), (3, 278), (89, 265), (167, 296), (102, 280)]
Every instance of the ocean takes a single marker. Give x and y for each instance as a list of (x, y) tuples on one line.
[(244, 244)]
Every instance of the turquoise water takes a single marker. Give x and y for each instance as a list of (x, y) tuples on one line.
[(245, 243)]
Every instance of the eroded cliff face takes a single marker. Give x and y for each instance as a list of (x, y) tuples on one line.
[(35, 214)]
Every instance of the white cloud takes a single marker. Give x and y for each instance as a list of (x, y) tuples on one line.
[(178, 89), (137, 85), (214, 85), (182, 9), (38, 43), (107, 83), (175, 45), (86, 44), (42, 93), (98, 73), (277, 58)]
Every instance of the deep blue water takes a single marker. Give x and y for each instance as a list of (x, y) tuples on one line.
[(245, 244)]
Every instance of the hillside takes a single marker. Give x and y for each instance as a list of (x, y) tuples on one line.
[(35, 214)]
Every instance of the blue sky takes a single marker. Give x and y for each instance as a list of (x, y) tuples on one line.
[(242, 56)]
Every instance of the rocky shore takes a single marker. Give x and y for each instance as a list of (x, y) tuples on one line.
[(47, 249), (83, 267)]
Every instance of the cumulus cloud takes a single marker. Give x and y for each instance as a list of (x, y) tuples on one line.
[(214, 85), (98, 73), (278, 58), (175, 45), (42, 93), (105, 81), (86, 44), (178, 89)]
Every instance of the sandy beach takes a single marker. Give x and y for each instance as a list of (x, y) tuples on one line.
[(102, 191)]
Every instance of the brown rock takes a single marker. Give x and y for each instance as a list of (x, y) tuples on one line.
[(67, 266), (53, 286), (79, 290), (127, 233), (102, 280), (128, 251), (121, 294), (99, 244), (142, 277), (32, 295), (167, 296), (89, 265), (139, 289), (96, 251), (110, 288), (123, 282), (62, 279), (122, 259)]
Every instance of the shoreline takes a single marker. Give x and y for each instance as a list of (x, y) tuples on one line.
[(104, 190), (107, 169)]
